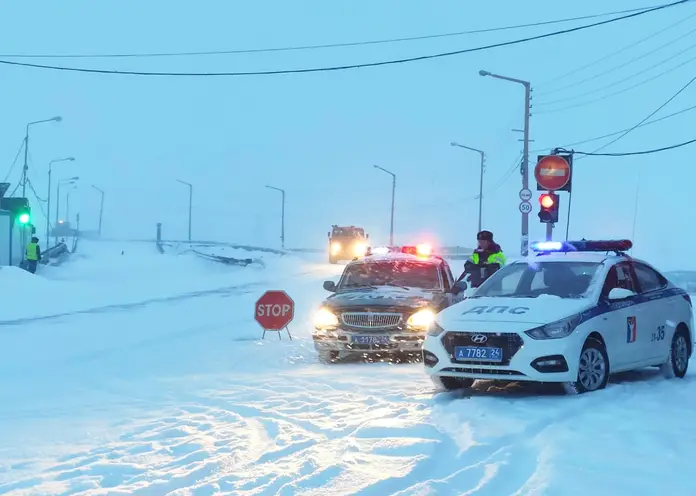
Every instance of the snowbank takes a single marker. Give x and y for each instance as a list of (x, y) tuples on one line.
[(110, 273)]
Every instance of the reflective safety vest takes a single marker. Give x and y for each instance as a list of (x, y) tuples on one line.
[(497, 257), (33, 251)]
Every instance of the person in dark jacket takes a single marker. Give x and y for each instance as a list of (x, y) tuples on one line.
[(33, 254), (488, 255)]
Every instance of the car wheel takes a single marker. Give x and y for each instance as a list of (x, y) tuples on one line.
[(455, 383), (593, 369), (678, 362), (328, 356)]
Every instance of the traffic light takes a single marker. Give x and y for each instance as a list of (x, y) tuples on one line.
[(24, 216), (548, 208)]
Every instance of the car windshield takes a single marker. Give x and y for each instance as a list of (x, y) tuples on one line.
[(520, 280), (391, 273)]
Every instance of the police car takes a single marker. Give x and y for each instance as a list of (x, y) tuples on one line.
[(573, 314), (383, 303)]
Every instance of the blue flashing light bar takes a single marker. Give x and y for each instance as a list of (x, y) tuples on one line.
[(618, 245)]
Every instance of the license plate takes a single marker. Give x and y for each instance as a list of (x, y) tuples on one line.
[(371, 339), (483, 354)]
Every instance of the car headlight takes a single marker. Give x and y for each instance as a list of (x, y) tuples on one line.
[(360, 249), (335, 248), (421, 319), (435, 329), (325, 319), (555, 330)]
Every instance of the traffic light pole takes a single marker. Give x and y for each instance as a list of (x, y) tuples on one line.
[(549, 232)]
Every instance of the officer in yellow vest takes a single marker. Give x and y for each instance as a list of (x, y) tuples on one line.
[(485, 260), (33, 254)]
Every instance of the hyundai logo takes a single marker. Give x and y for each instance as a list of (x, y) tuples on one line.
[(479, 339)]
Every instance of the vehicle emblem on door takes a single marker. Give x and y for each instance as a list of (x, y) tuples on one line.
[(479, 339)]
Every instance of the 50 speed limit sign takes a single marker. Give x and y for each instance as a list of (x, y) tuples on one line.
[(525, 207)]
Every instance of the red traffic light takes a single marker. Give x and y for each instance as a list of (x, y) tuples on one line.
[(546, 201)]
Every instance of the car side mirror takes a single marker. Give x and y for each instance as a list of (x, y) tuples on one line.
[(458, 287), (330, 286), (328, 234), (367, 236), (620, 294)]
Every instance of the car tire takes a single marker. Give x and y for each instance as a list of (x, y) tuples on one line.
[(593, 369), (328, 356), (678, 362), (455, 383)]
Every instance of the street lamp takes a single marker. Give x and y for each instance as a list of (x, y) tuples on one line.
[(480, 178), (70, 180), (190, 205), (48, 213), (26, 151), (282, 215), (391, 225), (525, 154), (101, 208)]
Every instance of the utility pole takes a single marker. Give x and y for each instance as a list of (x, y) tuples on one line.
[(525, 154), (68, 181), (391, 224), (282, 215), (48, 212), (190, 206), (26, 151), (101, 209), (480, 206)]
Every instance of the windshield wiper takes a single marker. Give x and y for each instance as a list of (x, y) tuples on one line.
[(357, 286), (397, 286)]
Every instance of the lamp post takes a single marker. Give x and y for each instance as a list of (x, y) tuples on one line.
[(282, 215), (190, 186), (26, 150), (391, 224), (48, 213), (101, 208), (525, 154), (70, 180), (480, 206)]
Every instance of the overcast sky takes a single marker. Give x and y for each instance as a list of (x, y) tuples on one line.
[(317, 135)]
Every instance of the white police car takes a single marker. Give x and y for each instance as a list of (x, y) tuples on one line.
[(573, 314)]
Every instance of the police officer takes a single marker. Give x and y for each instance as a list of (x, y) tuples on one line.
[(488, 256), (33, 254)]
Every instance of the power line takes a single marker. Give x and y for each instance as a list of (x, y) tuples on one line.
[(615, 83), (622, 135), (14, 162), (627, 154), (349, 66), (620, 66), (616, 93), (322, 46), (610, 55)]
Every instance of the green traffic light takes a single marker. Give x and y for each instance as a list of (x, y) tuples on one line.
[(24, 218)]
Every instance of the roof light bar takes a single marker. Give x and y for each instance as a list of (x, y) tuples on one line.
[(618, 245)]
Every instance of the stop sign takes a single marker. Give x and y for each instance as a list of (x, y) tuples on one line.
[(274, 310), (552, 172)]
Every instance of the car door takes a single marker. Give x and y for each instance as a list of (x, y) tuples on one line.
[(447, 298), (661, 311), (624, 321)]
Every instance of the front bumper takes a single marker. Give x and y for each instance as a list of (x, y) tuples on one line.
[(523, 359), (345, 341)]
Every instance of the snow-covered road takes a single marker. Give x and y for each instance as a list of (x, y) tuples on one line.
[(176, 394)]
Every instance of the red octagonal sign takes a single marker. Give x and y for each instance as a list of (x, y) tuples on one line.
[(552, 172), (274, 310)]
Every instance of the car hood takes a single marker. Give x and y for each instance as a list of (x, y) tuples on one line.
[(381, 297), (540, 310)]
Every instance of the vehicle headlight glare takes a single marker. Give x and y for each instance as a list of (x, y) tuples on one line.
[(360, 249), (435, 329), (555, 330), (422, 319), (325, 319), (335, 248)]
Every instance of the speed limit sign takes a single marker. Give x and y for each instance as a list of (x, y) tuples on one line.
[(525, 207)]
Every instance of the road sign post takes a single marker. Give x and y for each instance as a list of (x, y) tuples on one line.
[(274, 311)]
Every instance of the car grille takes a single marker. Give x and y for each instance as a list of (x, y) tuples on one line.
[(371, 320), (510, 343)]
